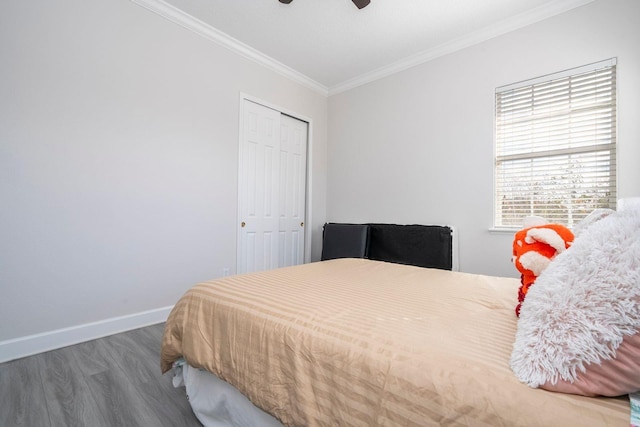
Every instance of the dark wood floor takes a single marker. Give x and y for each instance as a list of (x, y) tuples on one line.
[(112, 381)]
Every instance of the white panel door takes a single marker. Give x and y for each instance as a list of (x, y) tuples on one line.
[(259, 188), (293, 173)]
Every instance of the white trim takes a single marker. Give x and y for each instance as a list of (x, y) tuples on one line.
[(187, 21), (560, 74), (538, 14), (274, 107), (33, 344), (504, 230), (239, 166), (309, 194)]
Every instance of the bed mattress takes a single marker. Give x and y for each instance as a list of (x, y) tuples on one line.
[(356, 342)]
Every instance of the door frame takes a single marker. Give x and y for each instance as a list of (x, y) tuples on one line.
[(308, 178)]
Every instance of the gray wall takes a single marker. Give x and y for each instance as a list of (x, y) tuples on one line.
[(118, 149), (118, 160), (417, 147)]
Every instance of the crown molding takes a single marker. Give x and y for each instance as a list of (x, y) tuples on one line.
[(524, 19), (187, 21), (191, 23)]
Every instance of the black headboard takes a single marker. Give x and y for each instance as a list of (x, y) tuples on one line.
[(419, 245)]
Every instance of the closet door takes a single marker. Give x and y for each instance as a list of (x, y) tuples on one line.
[(272, 189), (293, 173), (259, 179)]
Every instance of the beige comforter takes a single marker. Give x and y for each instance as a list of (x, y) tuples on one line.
[(354, 342)]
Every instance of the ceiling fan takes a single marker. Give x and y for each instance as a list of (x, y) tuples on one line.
[(359, 3)]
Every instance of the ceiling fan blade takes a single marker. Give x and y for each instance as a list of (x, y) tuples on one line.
[(360, 3)]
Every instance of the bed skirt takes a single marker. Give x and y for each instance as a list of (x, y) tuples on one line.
[(217, 403)]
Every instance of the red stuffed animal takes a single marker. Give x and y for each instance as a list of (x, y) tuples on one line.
[(533, 249)]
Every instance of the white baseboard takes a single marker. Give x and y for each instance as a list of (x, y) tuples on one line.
[(33, 344)]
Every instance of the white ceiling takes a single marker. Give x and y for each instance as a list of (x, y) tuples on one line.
[(337, 46)]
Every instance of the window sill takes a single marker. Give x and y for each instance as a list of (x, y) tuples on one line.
[(503, 230)]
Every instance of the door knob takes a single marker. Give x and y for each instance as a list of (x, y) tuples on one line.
[(242, 224), (302, 224)]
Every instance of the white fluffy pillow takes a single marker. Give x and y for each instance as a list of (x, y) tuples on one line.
[(579, 311)]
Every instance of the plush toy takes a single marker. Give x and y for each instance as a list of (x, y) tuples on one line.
[(533, 249)]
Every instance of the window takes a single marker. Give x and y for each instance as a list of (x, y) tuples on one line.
[(556, 146)]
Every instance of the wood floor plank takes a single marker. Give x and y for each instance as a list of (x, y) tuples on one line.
[(136, 356), (155, 331), (136, 353), (120, 403), (171, 403), (91, 357), (22, 398), (112, 381), (68, 397)]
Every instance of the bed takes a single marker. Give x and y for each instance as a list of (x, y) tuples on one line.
[(359, 342)]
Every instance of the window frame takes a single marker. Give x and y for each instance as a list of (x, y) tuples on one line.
[(535, 151)]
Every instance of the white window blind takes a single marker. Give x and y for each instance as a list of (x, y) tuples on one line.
[(556, 146)]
